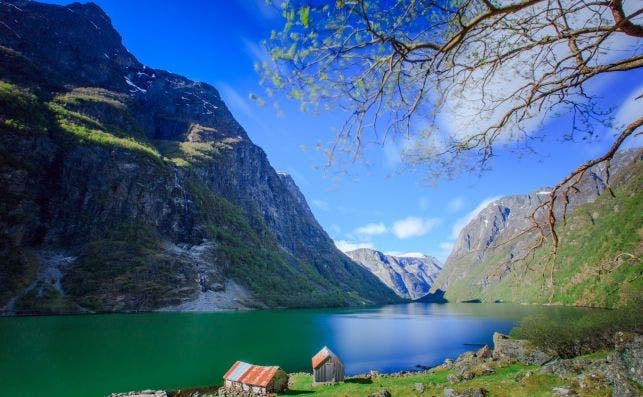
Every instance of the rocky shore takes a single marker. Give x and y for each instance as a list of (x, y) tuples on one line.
[(513, 364)]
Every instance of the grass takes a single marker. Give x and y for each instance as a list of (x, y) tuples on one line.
[(88, 130), (593, 268), (501, 383), (128, 270), (577, 333), (20, 110)]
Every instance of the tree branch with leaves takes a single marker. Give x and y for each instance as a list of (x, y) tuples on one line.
[(458, 78)]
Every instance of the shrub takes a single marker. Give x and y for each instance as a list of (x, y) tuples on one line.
[(576, 333)]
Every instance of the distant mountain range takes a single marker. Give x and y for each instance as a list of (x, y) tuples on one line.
[(128, 188), (411, 277), (598, 261)]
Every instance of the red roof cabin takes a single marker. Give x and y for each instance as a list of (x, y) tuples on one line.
[(327, 367), (255, 379)]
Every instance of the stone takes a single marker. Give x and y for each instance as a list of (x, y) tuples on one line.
[(482, 369), (520, 350), (563, 391), (420, 387), (448, 364), (453, 378), (484, 352), (466, 357), (628, 348), (474, 392), (449, 393), (381, 393)]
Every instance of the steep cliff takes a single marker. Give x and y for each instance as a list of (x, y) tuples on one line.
[(131, 188), (600, 245), (410, 277)]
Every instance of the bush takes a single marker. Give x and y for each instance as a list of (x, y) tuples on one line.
[(576, 333)]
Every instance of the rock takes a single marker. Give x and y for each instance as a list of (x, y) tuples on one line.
[(143, 393), (448, 364), (482, 369), (484, 352), (474, 392), (563, 391), (622, 387), (449, 393), (381, 393), (409, 277), (519, 350), (466, 357), (420, 387), (453, 378), (628, 348)]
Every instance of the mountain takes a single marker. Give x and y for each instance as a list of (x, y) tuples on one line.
[(410, 277), (129, 188), (598, 261)]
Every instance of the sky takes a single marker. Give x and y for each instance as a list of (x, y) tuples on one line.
[(382, 205)]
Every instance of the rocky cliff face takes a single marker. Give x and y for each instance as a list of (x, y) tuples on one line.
[(409, 277), (131, 188), (484, 263)]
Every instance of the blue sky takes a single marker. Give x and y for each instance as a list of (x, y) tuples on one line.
[(381, 205)]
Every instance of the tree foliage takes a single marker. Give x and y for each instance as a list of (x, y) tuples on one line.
[(459, 78)]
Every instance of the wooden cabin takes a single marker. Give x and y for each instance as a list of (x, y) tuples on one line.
[(327, 367), (255, 379)]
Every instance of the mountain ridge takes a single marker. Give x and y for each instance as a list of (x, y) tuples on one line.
[(144, 181), (411, 277), (484, 261)]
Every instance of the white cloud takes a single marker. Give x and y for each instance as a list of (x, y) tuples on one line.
[(321, 204), (400, 254), (346, 246), (446, 245), (413, 226), (630, 110), (372, 229), (455, 204), (481, 99), (462, 222), (257, 52), (445, 250)]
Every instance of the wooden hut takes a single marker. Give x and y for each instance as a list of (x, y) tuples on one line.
[(255, 379), (327, 367)]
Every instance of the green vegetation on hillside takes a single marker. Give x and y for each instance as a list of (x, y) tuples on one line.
[(598, 259), (258, 261), (501, 383), (128, 269), (579, 332)]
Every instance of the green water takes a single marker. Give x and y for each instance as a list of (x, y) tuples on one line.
[(93, 355)]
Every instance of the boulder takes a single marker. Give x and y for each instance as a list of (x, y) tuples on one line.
[(381, 393), (419, 387), (484, 352), (519, 350), (628, 354), (453, 378), (143, 393), (471, 392), (563, 391), (474, 392), (449, 393), (448, 364)]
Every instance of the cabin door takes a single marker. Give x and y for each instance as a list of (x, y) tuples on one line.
[(329, 370)]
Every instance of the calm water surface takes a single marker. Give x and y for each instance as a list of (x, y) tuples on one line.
[(94, 355)]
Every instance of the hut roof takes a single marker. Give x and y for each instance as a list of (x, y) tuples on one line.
[(249, 374), (322, 355)]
